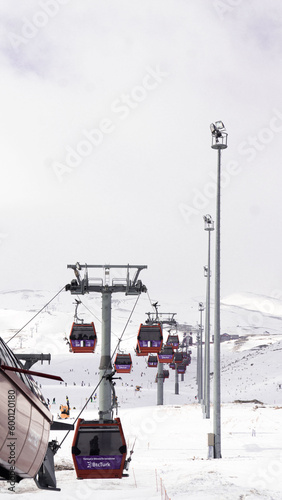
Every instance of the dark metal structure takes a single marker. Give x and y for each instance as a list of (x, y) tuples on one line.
[(31, 359)]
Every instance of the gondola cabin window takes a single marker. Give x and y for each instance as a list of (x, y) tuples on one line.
[(99, 442)]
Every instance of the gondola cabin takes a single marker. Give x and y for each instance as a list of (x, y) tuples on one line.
[(186, 359), (166, 373), (181, 369), (83, 337), (152, 361), (123, 363), (24, 420), (166, 355), (150, 338), (173, 341), (99, 449), (178, 357), (172, 366)]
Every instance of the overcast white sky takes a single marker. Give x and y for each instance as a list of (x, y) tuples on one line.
[(143, 80)]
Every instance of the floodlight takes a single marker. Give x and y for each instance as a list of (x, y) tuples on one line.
[(209, 223), (207, 218), (219, 125), (213, 128)]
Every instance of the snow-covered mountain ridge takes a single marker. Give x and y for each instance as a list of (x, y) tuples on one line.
[(250, 365)]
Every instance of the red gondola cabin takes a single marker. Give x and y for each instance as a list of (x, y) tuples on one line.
[(166, 355), (178, 357), (173, 341), (123, 363), (181, 369), (150, 338), (152, 361), (99, 449), (83, 337)]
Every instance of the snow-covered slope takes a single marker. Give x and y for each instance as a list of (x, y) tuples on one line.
[(249, 313), (171, 446)]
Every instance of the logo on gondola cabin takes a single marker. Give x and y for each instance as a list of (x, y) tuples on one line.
[(99, 465)]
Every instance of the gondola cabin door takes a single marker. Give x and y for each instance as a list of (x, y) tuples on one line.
[(83, 337)]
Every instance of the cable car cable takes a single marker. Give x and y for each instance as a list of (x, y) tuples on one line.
[(149, 299), (81, 411), (129, 318), (96, 317), (110, 359), (36, 314)]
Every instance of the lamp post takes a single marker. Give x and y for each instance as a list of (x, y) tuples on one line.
[(219, 142), (209, 226), (200, 355)]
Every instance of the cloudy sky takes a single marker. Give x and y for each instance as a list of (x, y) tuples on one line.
[(105, 140)]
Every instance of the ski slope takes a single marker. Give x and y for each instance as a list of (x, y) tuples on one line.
[(170, 451)]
